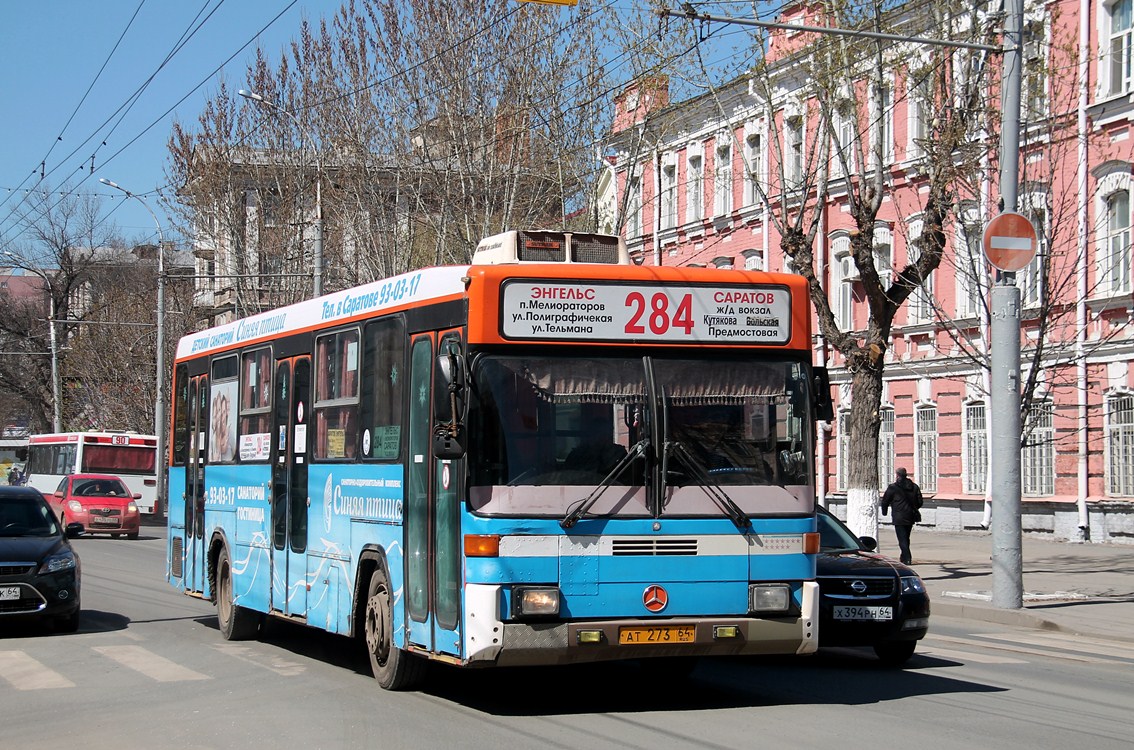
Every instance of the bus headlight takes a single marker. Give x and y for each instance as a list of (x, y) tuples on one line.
[(535, 601), (768, 598)]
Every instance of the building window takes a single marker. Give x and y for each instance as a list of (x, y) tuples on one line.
[(921, 301), (794, 151), (1119, 428), (1119, 50), (1034, 95), (969, 253), (695, 190), (885, 446), (885, 118), (669, 196), (754, 164), (846, 130), (976, 449), (925, 447), (920, 111), (1038, 453), (883, 255), (1115, 258), (753, 259), (844, 449), (848, 274), (1032, 280), (722, 261), (722, 181), (634, 207)]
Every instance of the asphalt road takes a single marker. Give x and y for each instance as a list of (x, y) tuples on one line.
[(149, 669)]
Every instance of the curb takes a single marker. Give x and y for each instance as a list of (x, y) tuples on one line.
[(1016, 617)]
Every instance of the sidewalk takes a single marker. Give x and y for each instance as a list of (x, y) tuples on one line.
[(1086, 589)]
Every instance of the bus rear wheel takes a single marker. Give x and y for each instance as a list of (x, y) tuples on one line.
[(394, 668), (236, 623)]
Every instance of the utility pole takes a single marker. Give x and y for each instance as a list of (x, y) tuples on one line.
[(1004, 350), (160, 426)]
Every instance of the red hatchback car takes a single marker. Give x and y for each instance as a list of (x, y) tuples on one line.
[(102, 503)]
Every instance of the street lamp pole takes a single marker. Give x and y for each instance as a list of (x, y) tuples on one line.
[(56, 381), (317, 252), (160, 426)]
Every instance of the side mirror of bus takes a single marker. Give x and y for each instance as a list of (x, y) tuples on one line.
[(448, 406), (824, 405), (447, 446)]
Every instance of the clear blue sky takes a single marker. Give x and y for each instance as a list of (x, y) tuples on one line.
[(51, 53)]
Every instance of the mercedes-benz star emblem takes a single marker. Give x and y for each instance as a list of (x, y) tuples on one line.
[(655, 598)]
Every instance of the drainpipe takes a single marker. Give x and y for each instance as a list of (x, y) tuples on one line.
[(657, 205), (1081, 303)]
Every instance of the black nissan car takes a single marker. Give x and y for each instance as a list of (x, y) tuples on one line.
[(866, 599), (39, 571)]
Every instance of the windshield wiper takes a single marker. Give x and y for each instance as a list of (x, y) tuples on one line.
[(582, 506), (707, 484)]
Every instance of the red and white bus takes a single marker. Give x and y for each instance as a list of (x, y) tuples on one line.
[(130, 456)]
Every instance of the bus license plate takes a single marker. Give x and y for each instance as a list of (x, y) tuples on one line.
[(864, 613), (661, 634), (9, 593)]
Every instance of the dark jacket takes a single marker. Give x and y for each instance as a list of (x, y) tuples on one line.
[(904, 496)]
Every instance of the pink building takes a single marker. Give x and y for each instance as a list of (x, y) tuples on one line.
[(707, 181)]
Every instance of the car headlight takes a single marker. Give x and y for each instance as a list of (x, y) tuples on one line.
[(59, 561), (535, 601), (75, 505), (912, 585), (768, 598), (132, 507)]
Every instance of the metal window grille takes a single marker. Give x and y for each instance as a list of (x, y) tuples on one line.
[(1038, 457), (925, 438), (976, 449), (885, 447), (1120, 445)]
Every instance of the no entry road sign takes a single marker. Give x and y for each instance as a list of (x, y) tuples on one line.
[(1010, 242)]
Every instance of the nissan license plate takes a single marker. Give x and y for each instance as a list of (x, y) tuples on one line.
[(659, 634), (864, 613), (9, 593)]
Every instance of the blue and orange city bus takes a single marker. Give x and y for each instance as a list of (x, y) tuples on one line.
[(550, 455)]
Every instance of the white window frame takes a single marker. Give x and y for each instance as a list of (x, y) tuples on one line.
[(1037, 459), (925, 446), (975, 426), (694, 186), (843, 263), (968, 256), (794, 140), (887, 119), (1030, 279), (1034, 59), (668, 194), (920, 305), (1118, 424), (1114, 256), (753, 259), (753, 166), (634, 206), (886, 443), (919, 111), (843, 469), (722, 178), (884, 255), (1119, 39)]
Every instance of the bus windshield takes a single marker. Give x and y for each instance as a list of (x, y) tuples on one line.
[(546, 431)]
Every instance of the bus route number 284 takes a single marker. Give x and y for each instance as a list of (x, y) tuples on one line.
[(657, 315)]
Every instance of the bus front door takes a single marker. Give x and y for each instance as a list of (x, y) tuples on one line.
[(194, 565), (432, 518), (290, 503)]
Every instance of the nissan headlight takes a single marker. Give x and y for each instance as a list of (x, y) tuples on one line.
[(912, 585)]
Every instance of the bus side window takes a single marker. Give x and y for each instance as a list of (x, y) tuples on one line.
[(383, 375), (336, 398)]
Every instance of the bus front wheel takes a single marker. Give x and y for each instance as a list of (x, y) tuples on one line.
[(394, 668), (236, 623)]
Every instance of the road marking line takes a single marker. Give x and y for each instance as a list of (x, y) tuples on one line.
[(966, 656), (25, 673), (1021, 650), (281, 667), (1069, 642), (150, 664)]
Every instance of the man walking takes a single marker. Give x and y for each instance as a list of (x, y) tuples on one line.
[(905, 497)]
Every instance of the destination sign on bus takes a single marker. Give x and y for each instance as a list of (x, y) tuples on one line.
[(569, 311)]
